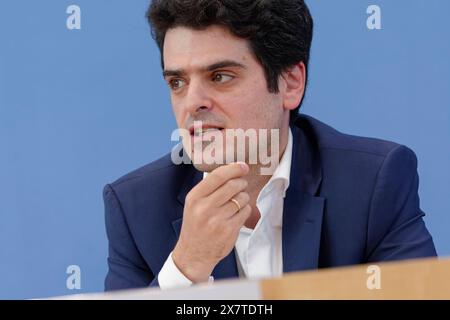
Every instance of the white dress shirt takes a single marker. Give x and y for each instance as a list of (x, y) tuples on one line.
[(258, 251)]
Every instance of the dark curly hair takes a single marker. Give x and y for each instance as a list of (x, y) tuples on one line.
[(279, 31)]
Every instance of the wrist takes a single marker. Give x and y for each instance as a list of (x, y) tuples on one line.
[(192, 269)]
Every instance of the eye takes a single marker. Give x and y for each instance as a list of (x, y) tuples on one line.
[(222, 78), (176, 84)]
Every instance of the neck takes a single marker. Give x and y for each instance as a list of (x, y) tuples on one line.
[(257, 181)]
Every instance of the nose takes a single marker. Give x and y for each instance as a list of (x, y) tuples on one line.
[(197, 98)]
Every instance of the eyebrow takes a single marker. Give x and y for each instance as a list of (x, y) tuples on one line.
[(212, 67)]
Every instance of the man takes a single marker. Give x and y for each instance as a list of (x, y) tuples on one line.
[(332, 200)]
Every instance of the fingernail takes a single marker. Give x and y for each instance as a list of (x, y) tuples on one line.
[(243, 165)]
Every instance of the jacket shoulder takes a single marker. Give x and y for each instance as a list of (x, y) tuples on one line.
[(149, 172), (328, 138)]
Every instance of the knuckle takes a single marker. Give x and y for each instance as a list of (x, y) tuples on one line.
[(189, 199), (201, 208), (212, 223), (237, 184), (233, 184), (245, 197)]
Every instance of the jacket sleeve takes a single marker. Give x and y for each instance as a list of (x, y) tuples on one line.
[(396, 229), (126, 267)]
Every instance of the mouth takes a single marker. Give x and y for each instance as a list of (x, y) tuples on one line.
[(203, 130)]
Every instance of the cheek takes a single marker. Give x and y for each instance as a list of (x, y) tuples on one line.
[(255, 107), (240, 107), (178, 113), (247, 99)]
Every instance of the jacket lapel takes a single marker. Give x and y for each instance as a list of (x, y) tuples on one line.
[(303, 210), (302, 223)]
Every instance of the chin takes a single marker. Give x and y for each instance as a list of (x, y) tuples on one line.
[(203, 167)]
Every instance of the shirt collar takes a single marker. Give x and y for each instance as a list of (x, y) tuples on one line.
[(283, 171)]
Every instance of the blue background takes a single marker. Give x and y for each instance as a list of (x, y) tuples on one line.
[(79, 108)]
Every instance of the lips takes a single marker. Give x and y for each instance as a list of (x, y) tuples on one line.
[(200, 132), (204, 129)]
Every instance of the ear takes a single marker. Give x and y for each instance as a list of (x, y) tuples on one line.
[(293, 87)]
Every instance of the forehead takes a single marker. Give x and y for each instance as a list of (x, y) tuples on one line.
[(189, 48)]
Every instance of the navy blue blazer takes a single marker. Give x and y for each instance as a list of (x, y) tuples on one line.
[(351, 200)]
